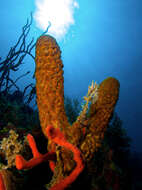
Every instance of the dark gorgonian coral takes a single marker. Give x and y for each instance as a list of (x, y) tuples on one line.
[(74, 145)]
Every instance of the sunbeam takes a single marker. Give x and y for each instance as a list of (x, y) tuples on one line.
[(60, 13)]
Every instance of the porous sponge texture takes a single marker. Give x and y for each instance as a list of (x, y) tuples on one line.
[(49, 83), (85, 134), (100, 115)]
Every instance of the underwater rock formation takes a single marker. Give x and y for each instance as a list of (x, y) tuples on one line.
[(73, 144)]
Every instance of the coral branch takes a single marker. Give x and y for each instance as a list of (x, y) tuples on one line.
[(2, 186), (7, 180), (58, 137), (15, 58), (52, 165), (33, 146), (21, 163)]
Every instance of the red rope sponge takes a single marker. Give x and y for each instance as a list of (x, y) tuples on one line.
[(21, 163), (58, 137), (2, 185)]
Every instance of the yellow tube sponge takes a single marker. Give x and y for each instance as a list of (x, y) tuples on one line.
[(49, 83), (87, 132), (99, 116)]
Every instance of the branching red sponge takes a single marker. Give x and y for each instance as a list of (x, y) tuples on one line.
[(21, 163), (2, 185), (7, 180), (55, 135)]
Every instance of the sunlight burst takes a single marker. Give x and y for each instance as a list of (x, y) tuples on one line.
[(58, 12)]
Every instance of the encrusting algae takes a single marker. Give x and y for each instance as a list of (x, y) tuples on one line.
[(11, 146)]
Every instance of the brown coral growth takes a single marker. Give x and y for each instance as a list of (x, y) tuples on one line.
[(11, 147)]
